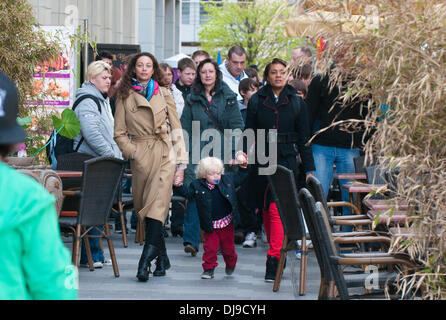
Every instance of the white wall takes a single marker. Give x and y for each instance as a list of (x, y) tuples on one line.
[(153, 24)]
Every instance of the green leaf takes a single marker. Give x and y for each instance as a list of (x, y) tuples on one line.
[(376, 220), (68, 123), (392, 211), (57, 122), (72, 126)]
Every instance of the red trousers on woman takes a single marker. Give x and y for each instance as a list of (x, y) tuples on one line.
[(223, 238), (274, 230)]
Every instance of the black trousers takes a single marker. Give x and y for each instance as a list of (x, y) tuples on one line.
[(177, 217), (247, 209)]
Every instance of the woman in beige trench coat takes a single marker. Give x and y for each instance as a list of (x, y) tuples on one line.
[(148, 132)]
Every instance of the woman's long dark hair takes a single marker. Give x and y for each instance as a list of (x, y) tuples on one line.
[(126, 82), (198, 85)]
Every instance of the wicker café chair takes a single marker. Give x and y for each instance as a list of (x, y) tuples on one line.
[(361, 223), (316, 189), (338, 261), (335, 283), (72, 162), (284, 191), (359, 164), (375, 174), (355, 220), (100, 182)]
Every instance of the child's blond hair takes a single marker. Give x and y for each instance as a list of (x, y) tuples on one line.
[(209, 164)]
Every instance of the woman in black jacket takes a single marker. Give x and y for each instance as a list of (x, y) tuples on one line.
[(277, 106)]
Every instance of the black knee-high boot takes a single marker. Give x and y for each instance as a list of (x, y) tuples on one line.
[(151, 248), (162, 262)]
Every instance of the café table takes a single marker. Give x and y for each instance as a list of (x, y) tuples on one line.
[(78, 174), (351, 176), (69, 174), (359, 189), (385, 204), (398, 217)]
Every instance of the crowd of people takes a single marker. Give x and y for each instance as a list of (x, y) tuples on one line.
[(154, 122), (291, 98)]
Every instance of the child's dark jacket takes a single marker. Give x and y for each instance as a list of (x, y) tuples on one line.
[(199, 191)]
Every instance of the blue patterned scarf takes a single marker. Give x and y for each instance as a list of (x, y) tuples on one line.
[(147, 90)]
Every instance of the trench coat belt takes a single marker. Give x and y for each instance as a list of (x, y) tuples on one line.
[(152, 139)]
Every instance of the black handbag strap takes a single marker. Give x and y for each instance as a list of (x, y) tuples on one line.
[(209, 114), (76, 103)]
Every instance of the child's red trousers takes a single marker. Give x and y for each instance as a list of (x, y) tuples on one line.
[(223, 238)]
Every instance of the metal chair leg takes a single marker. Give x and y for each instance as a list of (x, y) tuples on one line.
[(283, 254), (88, 249), (76, 247), (123, 224), (112, 251), (303, 267)]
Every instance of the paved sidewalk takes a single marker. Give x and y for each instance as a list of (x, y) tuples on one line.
[(183, 281)]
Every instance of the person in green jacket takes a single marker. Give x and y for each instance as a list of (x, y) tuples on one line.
[(34, 263)]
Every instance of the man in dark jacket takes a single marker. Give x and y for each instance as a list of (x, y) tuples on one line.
[(334, 146)]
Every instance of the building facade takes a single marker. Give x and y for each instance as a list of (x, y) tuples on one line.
[(153, 24)]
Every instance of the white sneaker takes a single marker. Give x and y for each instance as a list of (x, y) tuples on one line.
[(250, 240), (96, 265), (308, 244), (107, 262), (298, 255)]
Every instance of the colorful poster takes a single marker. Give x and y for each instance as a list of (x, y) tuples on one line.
[(54, 81)]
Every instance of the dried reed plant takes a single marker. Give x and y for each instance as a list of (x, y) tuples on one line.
[(395, 58)]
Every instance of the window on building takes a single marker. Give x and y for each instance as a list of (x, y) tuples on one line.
[(185, 12)]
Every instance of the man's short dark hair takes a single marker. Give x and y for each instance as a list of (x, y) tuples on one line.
[(104, 54), (186, 63), (200, 53), (306, 51), (238, 50)]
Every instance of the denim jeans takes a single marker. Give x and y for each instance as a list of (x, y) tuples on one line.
[(96, 251), (324, 158), (191, 233)]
